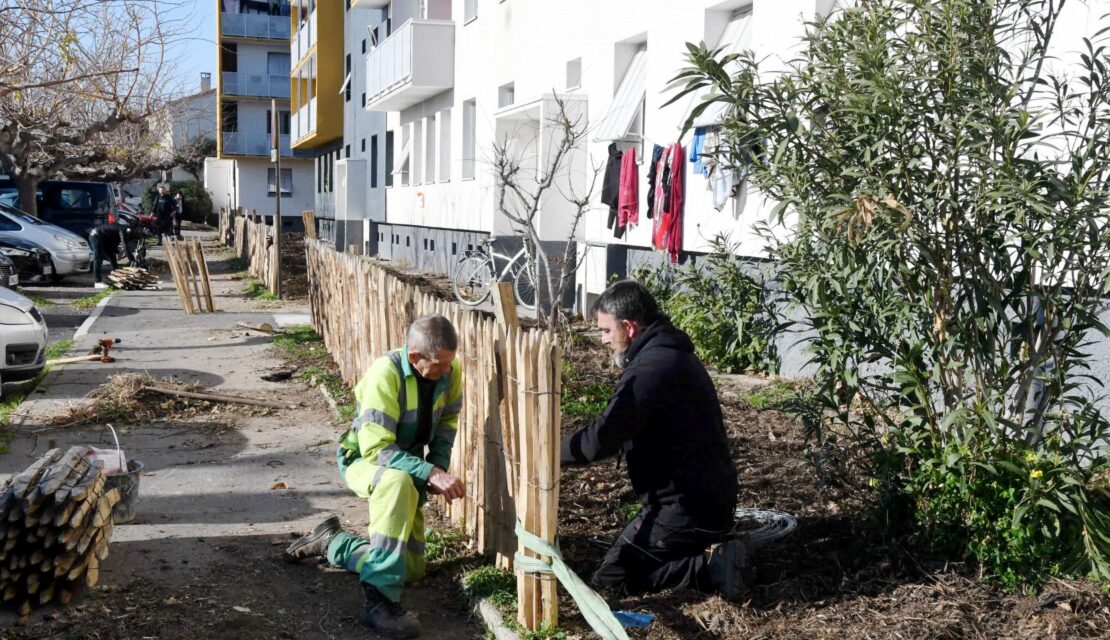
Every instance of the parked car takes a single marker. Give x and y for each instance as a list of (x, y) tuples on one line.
[(74, 205), (8, 277), (32, 262), (22, 337), (69, 252)]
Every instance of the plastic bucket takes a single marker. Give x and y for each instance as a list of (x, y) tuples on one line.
[(128, 485)]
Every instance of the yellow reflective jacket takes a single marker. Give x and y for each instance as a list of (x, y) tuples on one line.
[(385, 428)]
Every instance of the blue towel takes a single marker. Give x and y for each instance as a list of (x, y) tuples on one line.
[(696, 148), (632, 619)]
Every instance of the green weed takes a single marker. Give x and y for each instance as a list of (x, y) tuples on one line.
[(88, 302), (256, 289), (775, 396), (495, 585), (38, 300), (444, 545)]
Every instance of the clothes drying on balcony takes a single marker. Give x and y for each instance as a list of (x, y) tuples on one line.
[(610, 188), (628, 207), (670, 195)]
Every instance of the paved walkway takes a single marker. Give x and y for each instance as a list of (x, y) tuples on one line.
[(203, 556)]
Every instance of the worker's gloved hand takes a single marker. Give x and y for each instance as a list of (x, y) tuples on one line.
[(442, 483)]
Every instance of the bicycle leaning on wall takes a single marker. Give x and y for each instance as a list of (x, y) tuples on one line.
[(476, 271)]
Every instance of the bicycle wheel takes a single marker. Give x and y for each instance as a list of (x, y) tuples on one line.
[(471, 280), (524, 286)]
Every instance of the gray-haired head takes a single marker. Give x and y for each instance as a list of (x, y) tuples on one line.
[(431, 334)]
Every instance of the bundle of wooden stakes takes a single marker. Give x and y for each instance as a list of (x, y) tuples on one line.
[(133, 278), (57, 520), (190, 274)]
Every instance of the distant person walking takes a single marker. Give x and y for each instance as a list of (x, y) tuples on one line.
[(178, 213), (163, 209)]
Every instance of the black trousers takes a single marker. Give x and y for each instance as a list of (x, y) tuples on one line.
[(99, 255), (662, 547)]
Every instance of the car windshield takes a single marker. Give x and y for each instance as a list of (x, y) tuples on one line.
[(12, 212)]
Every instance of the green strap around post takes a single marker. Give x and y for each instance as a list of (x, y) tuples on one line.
[(593, 607)]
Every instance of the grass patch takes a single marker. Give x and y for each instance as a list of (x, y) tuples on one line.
[(9, 404), (88, 302), (775, 396), (630, 510), (444, 545), (257, 290), (38, 300), (582, 397), (306, 347), (493, 584)]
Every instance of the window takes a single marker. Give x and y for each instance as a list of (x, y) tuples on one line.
[(348, 149), (362, 146), (470, 121), (363, 99), (277, 64), (229, 60), (620, 121), (389, 158), (373, 161), (470, 10), (445, 145), (347, 82), (733, 37), (402, 161), (574, 73), (229, 116), (364, 45), (506, 95), (283, 118), (286, 182), (430, 149)]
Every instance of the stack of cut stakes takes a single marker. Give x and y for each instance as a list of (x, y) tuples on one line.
[(133, 278), (56, 520)]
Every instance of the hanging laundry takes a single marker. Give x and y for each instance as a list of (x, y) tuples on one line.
[(721, 183), (668, 227), (697, 152), (610, 188), (628, 208), (653, 176)]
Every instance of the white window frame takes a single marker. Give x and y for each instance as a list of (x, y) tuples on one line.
[(444, 133), (469, 139), (627, 102)]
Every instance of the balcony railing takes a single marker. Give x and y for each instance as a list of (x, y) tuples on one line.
[(303, 122), (251, 25), (414, 63), (254, 85), (237, 143), (303, 40)]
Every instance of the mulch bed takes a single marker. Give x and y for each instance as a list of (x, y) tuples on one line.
[(833, 578), (294, 269)]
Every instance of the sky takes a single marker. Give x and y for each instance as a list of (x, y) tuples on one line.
[(197, 51)]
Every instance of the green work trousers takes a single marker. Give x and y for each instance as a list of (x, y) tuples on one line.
[(393, 554)]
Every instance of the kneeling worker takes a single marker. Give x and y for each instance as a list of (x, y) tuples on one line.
[(665, 418), (105, 241), (408, 403)]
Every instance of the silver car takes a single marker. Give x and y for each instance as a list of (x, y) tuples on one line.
[(69, 251), (22, 337)]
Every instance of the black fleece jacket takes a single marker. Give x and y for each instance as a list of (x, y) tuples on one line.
[(666, 418)]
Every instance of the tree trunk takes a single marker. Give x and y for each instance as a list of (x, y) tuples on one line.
[(28, 186)]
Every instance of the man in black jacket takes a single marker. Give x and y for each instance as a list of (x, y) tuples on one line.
[(163, 208), (665, 418), (105, 241)]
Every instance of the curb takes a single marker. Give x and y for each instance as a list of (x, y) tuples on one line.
[(495, 623)]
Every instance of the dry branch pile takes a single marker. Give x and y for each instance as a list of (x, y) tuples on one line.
[(57, 520), (133, 278)]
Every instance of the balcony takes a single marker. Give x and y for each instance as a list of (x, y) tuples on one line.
[(303, 40), (254, 85), (415, 63), (303, 122), (370, 4), (251, 25), (237, 143)]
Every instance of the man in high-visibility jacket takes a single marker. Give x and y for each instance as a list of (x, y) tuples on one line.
[(397, 450)]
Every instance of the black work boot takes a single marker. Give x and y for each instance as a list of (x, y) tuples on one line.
[(730, 568), (387, 617), (316, 542)]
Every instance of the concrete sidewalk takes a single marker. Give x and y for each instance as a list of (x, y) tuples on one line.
[(203, 556)]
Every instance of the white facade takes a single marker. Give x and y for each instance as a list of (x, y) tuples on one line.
[(254, 69), (504, 61)]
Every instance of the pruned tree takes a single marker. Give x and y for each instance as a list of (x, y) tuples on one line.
[(77, 83), (522, 192)]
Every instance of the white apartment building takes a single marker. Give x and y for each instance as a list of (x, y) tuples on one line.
[(456, 76), (185, 120), (254, 62)]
